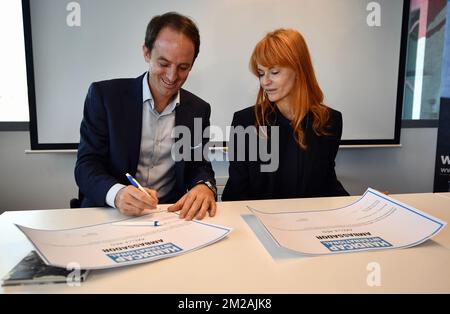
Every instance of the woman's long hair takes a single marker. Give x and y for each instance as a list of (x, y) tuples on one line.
[(287, 48)]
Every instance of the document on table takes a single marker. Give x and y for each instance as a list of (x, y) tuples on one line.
[(125, 242), (374, 222)]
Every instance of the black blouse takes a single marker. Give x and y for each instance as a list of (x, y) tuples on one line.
[(300, 173), (290, 170)]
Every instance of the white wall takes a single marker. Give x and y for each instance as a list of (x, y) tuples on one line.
[(33, 181), (40, 181), (408, 169)]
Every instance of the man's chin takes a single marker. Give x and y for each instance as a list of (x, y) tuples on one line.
[(170, 90), (167, 92)]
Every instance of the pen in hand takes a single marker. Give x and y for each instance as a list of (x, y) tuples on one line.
[(136, 184)]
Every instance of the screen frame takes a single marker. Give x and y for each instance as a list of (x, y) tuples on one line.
[(33, 124)]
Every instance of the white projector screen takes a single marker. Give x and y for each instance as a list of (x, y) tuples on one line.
[(356, 45)]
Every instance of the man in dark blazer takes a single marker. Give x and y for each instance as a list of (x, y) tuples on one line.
[(127, 128)]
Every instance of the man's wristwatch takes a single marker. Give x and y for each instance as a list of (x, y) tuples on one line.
[(210, 185)]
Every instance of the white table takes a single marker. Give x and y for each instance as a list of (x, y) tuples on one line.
[(240, 263), (444, 194)]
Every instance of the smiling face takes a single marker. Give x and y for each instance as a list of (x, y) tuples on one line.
[(277, 82), (170, 61)]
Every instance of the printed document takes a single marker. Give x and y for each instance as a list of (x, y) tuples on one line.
[(374, 222), (127, 242)]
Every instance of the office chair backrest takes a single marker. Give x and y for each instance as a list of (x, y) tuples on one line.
[(76, 202)]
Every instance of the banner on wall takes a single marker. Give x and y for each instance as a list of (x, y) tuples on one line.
[(442, 165)]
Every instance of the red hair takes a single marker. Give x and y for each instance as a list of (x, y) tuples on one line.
[(287, 48)]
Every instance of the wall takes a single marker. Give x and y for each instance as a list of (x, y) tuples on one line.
[(39, 181), (408, 169), (33, 180)]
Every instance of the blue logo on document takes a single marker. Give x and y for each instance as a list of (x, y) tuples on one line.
[(356, 244), (144, 253)]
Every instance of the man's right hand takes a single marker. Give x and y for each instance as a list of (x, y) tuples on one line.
[(133, 202)]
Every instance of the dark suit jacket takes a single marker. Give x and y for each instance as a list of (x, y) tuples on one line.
[(247, 182), (110, 138)]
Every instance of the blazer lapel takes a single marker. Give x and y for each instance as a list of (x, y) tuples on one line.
[(309, 155), (181, 117), (133, 111)]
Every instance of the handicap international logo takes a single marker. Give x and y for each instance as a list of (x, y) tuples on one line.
[(355, 244), (144, 253)]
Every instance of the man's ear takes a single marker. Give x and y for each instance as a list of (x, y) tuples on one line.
[(146, 52)]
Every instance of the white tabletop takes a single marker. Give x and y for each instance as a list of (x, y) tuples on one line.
[(444, 194), (240, 263)]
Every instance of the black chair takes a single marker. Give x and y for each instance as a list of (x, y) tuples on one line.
[(76, 202)]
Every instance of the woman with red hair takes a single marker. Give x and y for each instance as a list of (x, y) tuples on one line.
[(309, 132)]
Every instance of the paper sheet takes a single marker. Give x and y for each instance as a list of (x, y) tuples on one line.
[(112, 244), (374, 222)]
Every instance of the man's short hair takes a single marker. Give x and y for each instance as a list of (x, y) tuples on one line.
[(177, 22)]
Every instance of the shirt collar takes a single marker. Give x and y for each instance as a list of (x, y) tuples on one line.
[(147, 96)]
